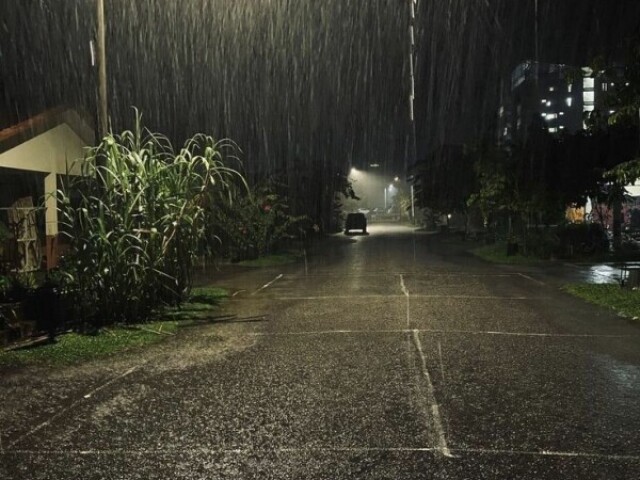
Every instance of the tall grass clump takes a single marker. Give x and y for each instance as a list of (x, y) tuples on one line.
[(136, 219)]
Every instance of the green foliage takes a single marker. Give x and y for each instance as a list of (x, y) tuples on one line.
[(496, 183), (137, 220), (208, 295), (250, 226), (542, 243), (445, 179), (583, 238), (624, 301), (497, 253), (5, 287)]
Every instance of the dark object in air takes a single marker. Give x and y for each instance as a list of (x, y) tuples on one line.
[(355, 221)]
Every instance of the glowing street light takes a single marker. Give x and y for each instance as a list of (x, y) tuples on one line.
[(390, 189)]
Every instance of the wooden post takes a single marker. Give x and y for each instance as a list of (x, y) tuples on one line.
[(51, 220), (103, 122)]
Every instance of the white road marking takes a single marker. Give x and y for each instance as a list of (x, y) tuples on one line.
[(403, 286), (248, 451), (441, 361), (414, 295), (72, 406), (238, 292), (431, 331), (414, 247), (267, 285), (405, 291), (413, 274), (531, 279), (548, 453), (435, 411)]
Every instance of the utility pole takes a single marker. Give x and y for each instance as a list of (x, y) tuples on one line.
[(102, 71), (412, 93)]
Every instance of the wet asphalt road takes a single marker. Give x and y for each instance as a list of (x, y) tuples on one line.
[(389, 356)]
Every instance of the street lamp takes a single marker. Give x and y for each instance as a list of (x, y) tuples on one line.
[(390, 188)]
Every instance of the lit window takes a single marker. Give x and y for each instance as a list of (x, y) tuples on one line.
[(569, 87), (604, 87), (561, 113), (551, 116), (588, 108), (549, 103), (561, 127), (544, 100), (588, 97), (543, 115), (588, 83), (552, 89), (611, 112), (553, 129), (569, 101)]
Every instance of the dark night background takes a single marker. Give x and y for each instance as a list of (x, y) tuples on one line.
[(297, 82)]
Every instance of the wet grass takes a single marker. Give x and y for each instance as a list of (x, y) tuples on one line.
[(73, 348), (624, 301), (209, 295), (497, 253), (274, 260)]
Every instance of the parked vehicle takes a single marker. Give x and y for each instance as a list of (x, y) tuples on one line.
[(355, 221)]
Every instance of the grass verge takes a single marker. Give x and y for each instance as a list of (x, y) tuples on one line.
[(624, 301), (497, 253), (73, 348), (208, 295), (274, 260)]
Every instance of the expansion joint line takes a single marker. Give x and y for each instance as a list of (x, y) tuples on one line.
[(405, 291), (267, 285), (431, 398), (73, 405)]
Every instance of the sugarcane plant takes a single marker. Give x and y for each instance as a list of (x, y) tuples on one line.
[(136, 220)]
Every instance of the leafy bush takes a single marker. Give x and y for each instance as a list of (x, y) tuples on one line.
[(138, 221), (255, 225), (542, 243), (582, 238)]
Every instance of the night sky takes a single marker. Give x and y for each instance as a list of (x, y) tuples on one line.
[(297, 82)]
